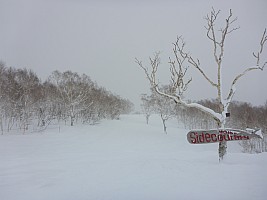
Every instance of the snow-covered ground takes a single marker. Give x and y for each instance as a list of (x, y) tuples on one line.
[(125, 159)]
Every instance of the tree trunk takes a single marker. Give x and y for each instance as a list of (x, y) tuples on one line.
[(222, 150), (164, 123), (71, 120), (1, 121), (222, 145), (147, 119), (72, 116)]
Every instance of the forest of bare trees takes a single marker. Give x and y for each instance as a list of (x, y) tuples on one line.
[(27, 104), (242, 114)]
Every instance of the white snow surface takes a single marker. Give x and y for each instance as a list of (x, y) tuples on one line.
[(125, 159)]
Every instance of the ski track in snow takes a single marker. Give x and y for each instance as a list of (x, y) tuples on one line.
[(125, 159)]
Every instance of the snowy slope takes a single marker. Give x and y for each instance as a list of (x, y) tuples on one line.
[(125, 160)]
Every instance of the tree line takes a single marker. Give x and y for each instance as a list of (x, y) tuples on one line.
[(27, 103), (242, 115)]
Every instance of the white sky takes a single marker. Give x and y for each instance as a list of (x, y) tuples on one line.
[(102, 39)]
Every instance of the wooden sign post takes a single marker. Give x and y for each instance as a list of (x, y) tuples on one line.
[(212, 136)]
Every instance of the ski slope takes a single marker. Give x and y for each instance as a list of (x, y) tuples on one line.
[(125, 159)]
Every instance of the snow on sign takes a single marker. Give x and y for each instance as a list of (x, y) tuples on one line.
[(212, 136)]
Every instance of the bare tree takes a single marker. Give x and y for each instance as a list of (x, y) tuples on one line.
[(73, 91), (178, 70), (147, 106), (163, 106)]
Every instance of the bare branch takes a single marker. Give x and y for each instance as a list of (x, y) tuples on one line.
[(177, 69), (154, 62), (196, 64), (177, 78), (226, 30), (232, 90), (218, 45), (262, 44), (211, 24), (182, 56), (263, 40), (257, 67)]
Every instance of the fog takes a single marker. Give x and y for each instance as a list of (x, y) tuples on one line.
[(103, 38)]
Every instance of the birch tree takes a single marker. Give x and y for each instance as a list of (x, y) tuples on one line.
[(183, 59)]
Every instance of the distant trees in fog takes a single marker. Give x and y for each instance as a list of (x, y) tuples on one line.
[(27, 103), (242, 114)]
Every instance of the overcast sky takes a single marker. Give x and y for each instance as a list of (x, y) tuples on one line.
[(101, 38)]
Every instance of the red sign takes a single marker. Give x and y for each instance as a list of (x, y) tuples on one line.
[(212, 136)]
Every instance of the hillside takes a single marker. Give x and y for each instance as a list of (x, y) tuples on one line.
[(125, 159)]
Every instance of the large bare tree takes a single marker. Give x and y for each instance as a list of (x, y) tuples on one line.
[(183, 59)]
